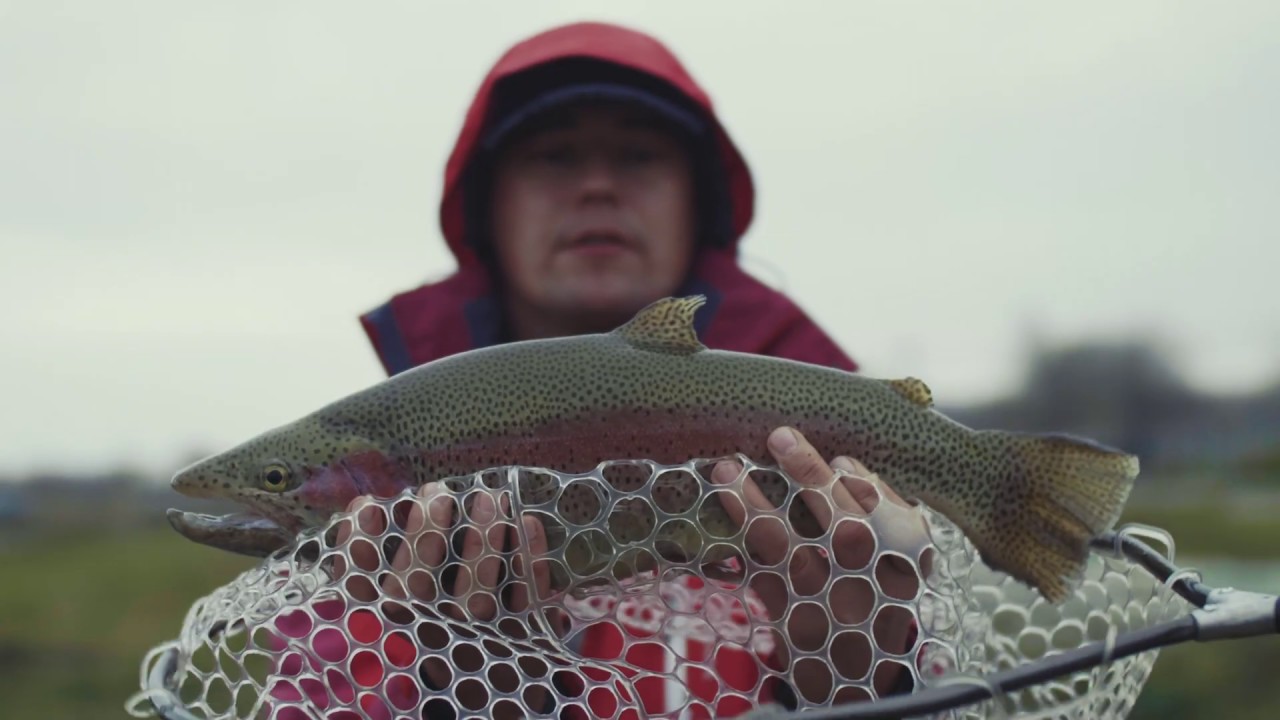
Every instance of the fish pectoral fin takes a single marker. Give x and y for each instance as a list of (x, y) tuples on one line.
[(665, 326), (914, 390)]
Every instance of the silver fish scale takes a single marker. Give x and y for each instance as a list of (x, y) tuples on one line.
[(282, 641)]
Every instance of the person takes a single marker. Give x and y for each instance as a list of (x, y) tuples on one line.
[(590, 178)]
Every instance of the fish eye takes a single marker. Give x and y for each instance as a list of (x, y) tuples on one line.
[(275, 477)]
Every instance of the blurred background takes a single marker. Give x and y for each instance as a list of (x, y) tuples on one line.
[(1060, 220)]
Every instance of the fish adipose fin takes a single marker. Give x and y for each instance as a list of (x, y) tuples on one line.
[(1059, 493), (666, 326), (914, 390)]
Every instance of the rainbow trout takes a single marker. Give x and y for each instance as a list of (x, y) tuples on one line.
[(1029, 502)]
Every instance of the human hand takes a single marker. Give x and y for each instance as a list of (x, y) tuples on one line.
[(849, 601), (471, 592)]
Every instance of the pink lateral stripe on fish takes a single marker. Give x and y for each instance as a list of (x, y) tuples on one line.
[(1029, 502)]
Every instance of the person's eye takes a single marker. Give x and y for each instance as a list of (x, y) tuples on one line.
[(555, 155), (638, 155)]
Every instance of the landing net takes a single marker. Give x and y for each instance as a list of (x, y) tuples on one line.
[(361, 619)]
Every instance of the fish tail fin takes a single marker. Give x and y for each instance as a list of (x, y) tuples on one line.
[(1058, 492)]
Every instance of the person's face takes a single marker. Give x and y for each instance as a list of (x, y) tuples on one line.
[(593, 213)]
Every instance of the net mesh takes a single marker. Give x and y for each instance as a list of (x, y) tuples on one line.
[(400, 611)]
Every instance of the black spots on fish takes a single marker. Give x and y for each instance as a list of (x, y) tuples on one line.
[(505, 391), (627, 477), (676, 491), (678, 540), (773, 486), (631, 520), (714, 517)]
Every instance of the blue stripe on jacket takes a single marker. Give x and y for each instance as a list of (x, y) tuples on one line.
[(395, 355)]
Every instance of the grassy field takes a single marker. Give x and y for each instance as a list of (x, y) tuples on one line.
[(1226, 679), (78, 613), (1215, 530)]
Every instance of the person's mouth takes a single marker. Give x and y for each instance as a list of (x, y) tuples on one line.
[(595, 241)]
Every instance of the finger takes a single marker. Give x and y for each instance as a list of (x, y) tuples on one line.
[(862, 487), (433, 514), (862, 491), (889, 493), (771, 541), (428, 546), (794, 453), (488, 568), (482, 513), (724, 473), (536, 537), (768, 539), (909, 526), (800, 460), (370, 519), (852, 544), (873, 488), (402, 560), (343, 534), (344, 527), (808, 570)]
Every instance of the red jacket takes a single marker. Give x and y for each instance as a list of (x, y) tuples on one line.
[(459, 313)]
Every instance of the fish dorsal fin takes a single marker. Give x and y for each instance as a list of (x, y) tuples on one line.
[(914, 390), (666, 326)]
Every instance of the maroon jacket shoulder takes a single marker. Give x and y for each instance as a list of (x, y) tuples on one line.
[(459, 313)]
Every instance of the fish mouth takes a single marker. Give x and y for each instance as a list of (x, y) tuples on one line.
[(242, 533)]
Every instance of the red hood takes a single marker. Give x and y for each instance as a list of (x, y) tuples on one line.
[(460, 312), (600, 41)]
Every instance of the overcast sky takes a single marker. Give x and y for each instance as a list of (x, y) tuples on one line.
[(197, 199)]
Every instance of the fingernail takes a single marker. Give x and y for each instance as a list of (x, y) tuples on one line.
[(844, 463), (482, 511), (725, 472), (783, 440), (440, 511)]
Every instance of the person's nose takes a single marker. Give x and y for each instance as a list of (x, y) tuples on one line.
[(599, 178)]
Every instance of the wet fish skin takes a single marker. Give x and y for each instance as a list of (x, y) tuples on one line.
[(649, 389)]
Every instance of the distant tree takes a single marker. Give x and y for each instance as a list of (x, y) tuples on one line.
[(1120, 392)]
